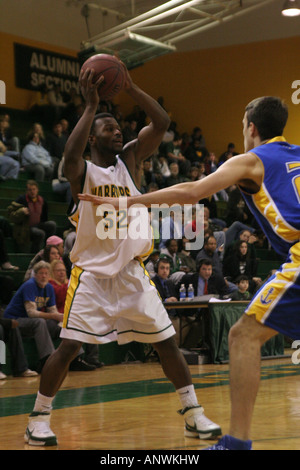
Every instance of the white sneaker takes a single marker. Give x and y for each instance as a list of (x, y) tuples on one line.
[(198, 425), (2, 376), (38, 432)]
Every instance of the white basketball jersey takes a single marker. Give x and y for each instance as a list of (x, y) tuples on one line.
[(108, 239)]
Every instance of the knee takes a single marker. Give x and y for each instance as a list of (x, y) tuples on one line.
[(69, 348), (235, 334), (39, 323), (167, 346)]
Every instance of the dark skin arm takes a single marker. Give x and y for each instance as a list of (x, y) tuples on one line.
[(150, 137), (134, 152), (75, 146)]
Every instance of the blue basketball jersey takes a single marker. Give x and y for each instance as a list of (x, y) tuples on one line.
[(276, 206)]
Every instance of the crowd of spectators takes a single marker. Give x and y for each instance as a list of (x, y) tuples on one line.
[(225, 266)]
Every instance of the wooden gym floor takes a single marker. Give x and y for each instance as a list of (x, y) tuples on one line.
[(133, 407)]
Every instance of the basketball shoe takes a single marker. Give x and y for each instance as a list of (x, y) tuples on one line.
[(197, 424), (231, 443), (38, 432)]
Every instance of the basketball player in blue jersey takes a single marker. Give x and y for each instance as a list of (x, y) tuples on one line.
[(268, 174), (110, 296)]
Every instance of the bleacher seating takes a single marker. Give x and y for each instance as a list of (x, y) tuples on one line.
[(57, 211)]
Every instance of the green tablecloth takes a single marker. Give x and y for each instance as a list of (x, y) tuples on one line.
[(221, 318)]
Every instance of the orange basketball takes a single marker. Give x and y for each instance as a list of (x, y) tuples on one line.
[(112, 70)]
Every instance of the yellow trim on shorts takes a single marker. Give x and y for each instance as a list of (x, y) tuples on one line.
[(148, 275), (73, 286), (266, 300)]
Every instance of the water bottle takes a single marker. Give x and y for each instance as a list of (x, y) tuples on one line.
[(190, 292), (182, 293)]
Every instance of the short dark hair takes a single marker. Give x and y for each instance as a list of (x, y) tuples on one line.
[(100, 116), (269, 114), (205, 261), (240, 278), (162, 260)]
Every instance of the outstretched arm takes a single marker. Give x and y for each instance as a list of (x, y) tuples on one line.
[(243, 168)]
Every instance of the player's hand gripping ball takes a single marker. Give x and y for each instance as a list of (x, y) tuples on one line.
[(113, 71)]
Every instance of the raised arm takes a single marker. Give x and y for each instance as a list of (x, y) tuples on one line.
[(150, 137), (75, 146)]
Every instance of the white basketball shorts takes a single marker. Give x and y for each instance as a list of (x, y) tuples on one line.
[(124, 308)]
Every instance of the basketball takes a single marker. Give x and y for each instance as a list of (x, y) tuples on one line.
[(112, 70)]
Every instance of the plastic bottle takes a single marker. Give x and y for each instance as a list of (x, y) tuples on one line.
[(182, 293), (190, 292)]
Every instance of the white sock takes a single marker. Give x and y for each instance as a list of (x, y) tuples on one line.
[(43, 403), (187, 396)]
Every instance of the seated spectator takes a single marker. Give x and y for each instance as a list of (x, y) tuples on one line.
[(10, 334), (9, 167), (163, 284), (147, 175), (237, 209), (33, 305), (161, 169), (36, 159), (214, 222), (172, 151), (211, 163), (188, 264), (34, 209), (171, 226), (246, 235), (214, 254), (48, 254), (59, 281), (170, 253), (37, 128), (55, 144), (65, 127), (11, 142), (194, 173), (198, 135), (196, 152), (209, 251), (240, 262), (242, 293), (204, 282), (174, 177), (61, 185), (151, 262), (230, 152)]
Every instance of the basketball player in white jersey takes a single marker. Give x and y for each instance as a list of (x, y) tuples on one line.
[(110, 296)]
